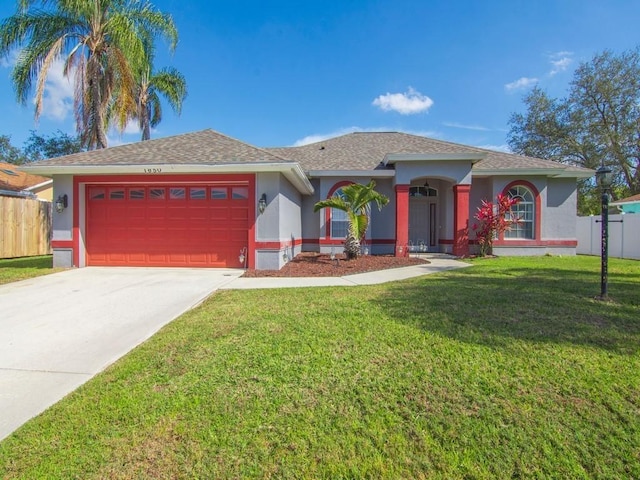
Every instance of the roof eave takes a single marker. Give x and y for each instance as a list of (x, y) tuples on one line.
[(391, 158), (352, 173), (291, 170), (545, 172)]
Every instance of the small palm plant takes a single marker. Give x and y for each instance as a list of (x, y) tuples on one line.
[(355, 200)]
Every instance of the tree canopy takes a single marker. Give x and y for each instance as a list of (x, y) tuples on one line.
[(103, 43), (597, 123), (39, 147)]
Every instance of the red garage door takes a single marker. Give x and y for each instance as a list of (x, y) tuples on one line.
[(167, 225)]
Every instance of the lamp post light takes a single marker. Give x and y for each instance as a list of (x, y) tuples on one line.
[(604, 180)]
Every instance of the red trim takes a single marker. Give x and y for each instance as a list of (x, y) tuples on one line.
[(461, 219), (537, 213), (247, 179), (338, 241), (327, 211), (445, 241), (278, 245), (75, 235), (62, 244), (402, 218), (535, 243)]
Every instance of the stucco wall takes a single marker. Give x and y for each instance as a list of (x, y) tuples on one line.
[(557, 215), (311, 220), (63, 222), (280, 225), (456, 171), (561, 209)]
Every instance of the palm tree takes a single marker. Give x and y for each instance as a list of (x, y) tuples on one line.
[(103, 40), (355, 200), (169, 83)]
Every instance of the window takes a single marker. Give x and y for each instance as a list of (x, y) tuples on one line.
[(239, 193), (116, 193), (524, 211), (218, 193), (156, 193), (339, 220), (96, 193), (177, 193), (198, 193), (136, 194), (422, 192)]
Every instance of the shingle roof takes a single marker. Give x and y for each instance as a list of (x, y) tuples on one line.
[(365, 151), (205, 147), (354, 151), (632, 198), (14, 180)]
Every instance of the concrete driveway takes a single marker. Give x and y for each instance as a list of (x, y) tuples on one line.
[(58, 331)]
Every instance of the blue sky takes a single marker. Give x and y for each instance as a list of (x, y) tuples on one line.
[(279, 73)]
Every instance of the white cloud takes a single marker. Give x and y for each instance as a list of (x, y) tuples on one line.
[(496, 148), (319, 137), (520, 84), (560, 61), (408, 103), (57, 101), (466, 127), (9, 60), (132, 128)]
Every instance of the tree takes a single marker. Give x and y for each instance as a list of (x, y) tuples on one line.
[(9, 153), (598, 123), (39, 147), (355, 200), (101, 40), (168, 82)]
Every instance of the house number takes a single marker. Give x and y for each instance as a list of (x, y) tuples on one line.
[(152, 170)]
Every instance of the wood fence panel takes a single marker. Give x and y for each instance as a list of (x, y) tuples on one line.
[(25, 227)]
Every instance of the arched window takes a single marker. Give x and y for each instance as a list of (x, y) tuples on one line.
[(524, 211), (339, 220)]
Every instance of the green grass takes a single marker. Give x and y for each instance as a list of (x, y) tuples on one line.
[(14, 269), (507, 369)]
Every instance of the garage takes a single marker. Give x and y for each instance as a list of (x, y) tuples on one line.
[(167, 224)]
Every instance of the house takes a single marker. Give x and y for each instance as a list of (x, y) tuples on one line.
[(205, 199), (14, 182), (628, 205)]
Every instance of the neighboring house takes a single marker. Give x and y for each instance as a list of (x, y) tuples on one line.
[(628, 205), (14, 182), (202, 199)]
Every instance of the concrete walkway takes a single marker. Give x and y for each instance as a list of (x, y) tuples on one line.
[(438, 263), (59, 330)]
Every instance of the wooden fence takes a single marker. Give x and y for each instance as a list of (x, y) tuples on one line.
[(25, 227)]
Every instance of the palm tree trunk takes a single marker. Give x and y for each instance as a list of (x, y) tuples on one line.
[(351, 247)]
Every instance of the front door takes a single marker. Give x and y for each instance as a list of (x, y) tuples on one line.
[(423, 234), (418, 223)]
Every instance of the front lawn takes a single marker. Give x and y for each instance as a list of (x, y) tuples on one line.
[(14, 269), (507, 369)]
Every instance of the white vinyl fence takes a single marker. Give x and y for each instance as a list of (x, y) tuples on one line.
[(624, 237)]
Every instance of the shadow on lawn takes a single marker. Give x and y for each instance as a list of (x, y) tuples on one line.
[(541, 305), (40, 262)]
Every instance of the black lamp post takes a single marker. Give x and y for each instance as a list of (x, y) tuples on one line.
[(604, 180)]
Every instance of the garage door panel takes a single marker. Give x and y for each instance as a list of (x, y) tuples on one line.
[(176, 225)]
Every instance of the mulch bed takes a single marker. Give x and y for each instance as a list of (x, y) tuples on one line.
[(309, 264)]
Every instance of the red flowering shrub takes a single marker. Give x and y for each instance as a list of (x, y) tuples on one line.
[(493, 221)]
